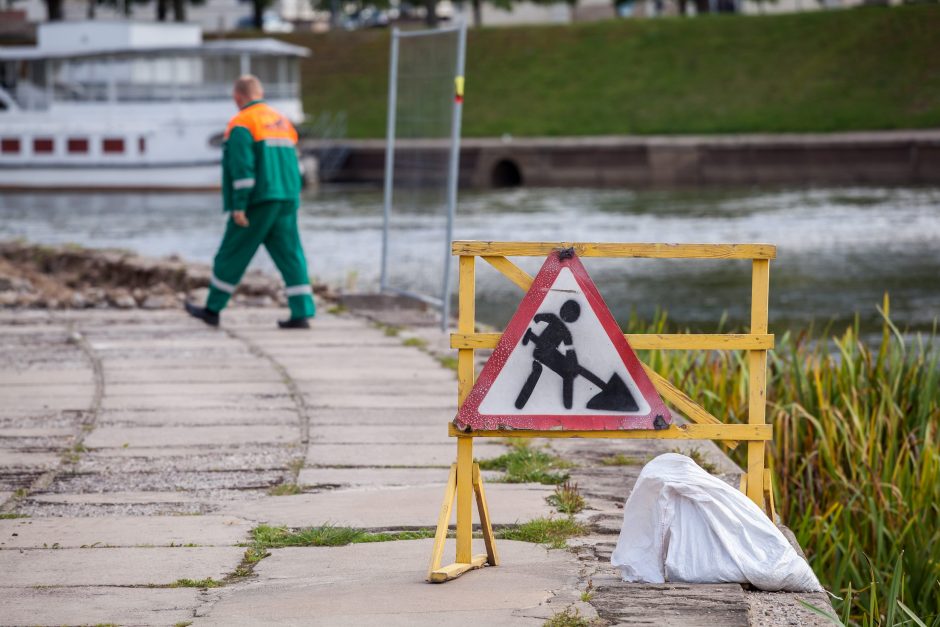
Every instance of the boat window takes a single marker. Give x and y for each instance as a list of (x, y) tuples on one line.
[(112, 145), (141, 145), (77, 145), (10, 145), (43, 146)]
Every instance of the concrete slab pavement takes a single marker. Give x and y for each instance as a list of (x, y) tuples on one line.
[(127, 531), (379, 584), (115, 567), (94, 605), (391, 507)]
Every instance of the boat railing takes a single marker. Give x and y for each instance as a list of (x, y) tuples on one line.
[(29, 97)]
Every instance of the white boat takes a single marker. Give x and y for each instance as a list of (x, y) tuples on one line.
[(130, 106)]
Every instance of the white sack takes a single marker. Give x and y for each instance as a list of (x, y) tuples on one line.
[(682, 524)]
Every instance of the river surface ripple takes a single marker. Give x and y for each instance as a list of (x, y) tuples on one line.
[(839, 249)]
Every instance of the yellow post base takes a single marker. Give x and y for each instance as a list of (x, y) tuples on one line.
[(465, 481)]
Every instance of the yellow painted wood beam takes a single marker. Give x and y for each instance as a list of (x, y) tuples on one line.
[(588, 249), (647, 341), (511, 271), (735, 432)]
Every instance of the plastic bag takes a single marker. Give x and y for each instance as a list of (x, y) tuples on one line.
[(682, 524)]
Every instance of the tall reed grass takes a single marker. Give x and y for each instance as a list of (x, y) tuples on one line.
[(856, 456)]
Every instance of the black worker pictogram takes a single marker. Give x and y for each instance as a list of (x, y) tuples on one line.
[(614, 394)]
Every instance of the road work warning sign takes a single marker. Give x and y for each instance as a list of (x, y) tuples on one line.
[(563, 363)]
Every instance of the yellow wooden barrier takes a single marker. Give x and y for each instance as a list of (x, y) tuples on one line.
[(465, 482)]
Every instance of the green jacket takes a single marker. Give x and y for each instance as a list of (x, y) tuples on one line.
[(259, 158)]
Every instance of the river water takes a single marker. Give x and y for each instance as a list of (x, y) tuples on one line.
[(839, 249)]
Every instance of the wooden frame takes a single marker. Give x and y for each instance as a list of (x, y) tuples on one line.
[(465, 481)]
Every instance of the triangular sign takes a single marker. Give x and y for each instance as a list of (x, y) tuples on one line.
[(563, 363)]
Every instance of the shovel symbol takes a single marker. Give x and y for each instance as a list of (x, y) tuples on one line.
[(614, 394)]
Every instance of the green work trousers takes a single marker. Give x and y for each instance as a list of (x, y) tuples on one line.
[(274, 224)]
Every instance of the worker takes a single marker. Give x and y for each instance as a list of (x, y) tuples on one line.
[(261, 192)]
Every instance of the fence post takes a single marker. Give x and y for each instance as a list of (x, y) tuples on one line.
[(389, 154), (757, 380)]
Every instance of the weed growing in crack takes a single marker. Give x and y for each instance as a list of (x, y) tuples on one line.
[(699, 458), (552, 532), (621, 460), (208, 582), (567, 498), (285, 489), (569, 618), (268, 537), (527, 464)]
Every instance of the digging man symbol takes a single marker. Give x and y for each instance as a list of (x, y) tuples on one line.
[(614, 394)]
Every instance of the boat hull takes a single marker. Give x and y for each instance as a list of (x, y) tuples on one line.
[(150, 177)]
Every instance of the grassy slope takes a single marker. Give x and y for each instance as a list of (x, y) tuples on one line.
[(870, 68)]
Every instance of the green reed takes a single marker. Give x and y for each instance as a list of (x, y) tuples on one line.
[(856, 456)]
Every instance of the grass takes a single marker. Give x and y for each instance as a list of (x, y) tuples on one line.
[(415, 342), (569, 618), (327, 535), (209, 582), (525, 463), (285, 489), (567, 498), (856, 456), (699, 458), (863, 68), (621, 460), (448, 362), (552, 532), (11, 515)]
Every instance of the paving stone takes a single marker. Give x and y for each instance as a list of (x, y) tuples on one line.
[(359, 385), (44, 376), (52, 389), (412, 506), (227, 435), (378, 434), (114, 497), (115, 567), (432, 417), (195, 403), (10, 458), (671, 605), (115, 376), (201, 416), (380, 477), (35, 432), (443, 401), (97, 606), (437, 376), (390, 576), (443, 454), (122, 532), (40, 401), (220, 388)]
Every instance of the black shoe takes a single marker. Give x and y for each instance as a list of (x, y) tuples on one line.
[(209, 317), (294, 323)]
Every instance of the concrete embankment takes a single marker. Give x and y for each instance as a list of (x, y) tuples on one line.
[(869, 158)]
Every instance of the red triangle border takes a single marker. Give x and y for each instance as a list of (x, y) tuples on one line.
[(469, 417)]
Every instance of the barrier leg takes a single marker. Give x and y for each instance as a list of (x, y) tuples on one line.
[(464, 491)]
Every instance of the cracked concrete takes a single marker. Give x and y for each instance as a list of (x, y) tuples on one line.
[(143, 446)]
